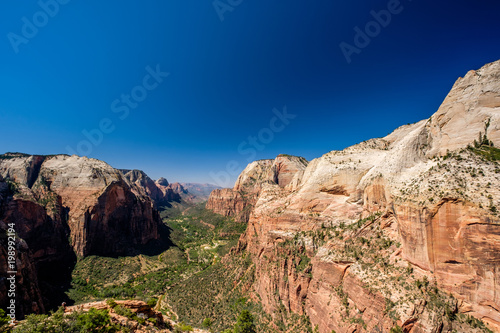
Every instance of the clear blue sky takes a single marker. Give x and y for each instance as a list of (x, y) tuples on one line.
[(225, 77)]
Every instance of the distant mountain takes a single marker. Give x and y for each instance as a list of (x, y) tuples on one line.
[(161, 192), (201, 192), (164, 193)]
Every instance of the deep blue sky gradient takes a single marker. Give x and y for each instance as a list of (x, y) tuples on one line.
[(227, 76)]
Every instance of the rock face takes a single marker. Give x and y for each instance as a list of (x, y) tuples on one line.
[(28, 296), (227, 202), (44, 257), (161, 192), (381, 233), (240, 200), (98, 200)]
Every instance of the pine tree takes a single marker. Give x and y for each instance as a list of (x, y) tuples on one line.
[(244, 324)]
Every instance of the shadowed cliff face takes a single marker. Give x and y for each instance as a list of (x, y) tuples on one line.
[(116, 224), (381, 233), (44, 256), (28, 295)]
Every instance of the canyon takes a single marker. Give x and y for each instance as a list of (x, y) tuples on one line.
[(394, 234)]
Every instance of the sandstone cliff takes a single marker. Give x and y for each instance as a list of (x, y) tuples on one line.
[(28, 295), (382, 233), (284, 171), (161, 192), (44, 257), (106, 214)]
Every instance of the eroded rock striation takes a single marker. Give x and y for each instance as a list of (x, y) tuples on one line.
[(398, 231)]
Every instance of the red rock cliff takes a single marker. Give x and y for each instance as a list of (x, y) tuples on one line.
[(106, 213), (402, 230), (240, 200)]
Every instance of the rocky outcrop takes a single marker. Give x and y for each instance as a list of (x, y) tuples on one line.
[(381, 233), (471, 103), (161, 192), (227, 202), (152, 320), (109, 212), (117, 215), (458, 242), (162, 181), (240, 200), (164, 193)]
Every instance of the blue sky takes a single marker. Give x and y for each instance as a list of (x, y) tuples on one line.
[(73, 73)]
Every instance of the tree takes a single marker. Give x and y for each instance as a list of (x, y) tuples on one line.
[(92, 321), (95, 321), (34, 323), (244, 324), (152, 302), (207, 323)]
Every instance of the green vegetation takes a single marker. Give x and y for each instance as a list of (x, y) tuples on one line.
[(303, 263), (77, 322), (4, 321), (484, 146), (396, 329), (487, 152), (207, 323), (189, 298), (244, 324), (10, 155), (181, 327), (200, 240), (190, 277), (152, 302), (12, 187), (125, 312), (220, 293), (203, 227), (473, 322)]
